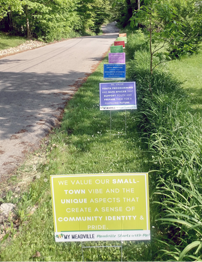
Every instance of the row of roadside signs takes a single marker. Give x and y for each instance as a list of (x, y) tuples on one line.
[(117, 95), (116, 68), (104, 207)]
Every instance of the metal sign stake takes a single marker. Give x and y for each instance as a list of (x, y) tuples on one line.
[(110, 123), (125, 122)]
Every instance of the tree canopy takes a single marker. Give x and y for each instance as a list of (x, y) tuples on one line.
[(53, 19)]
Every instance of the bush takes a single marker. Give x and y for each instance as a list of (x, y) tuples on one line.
[(172, 135)]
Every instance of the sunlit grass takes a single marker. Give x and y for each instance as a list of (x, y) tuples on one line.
[(188, 70), (8, 41)]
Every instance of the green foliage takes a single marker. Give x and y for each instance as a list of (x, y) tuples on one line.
[(138, 43), (47, 20), (10, 6), (93, 13), (172, 134), (187, 28), (182, 206), (174, 23), (188, 70), (174, 27), (123, 11), (53, 20)]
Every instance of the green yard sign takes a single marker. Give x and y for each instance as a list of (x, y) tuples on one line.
[(122, 39), (116, 49)]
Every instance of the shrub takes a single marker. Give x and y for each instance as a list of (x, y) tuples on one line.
[(172, 135)]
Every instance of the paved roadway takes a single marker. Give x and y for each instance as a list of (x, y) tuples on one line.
[(34, 88)]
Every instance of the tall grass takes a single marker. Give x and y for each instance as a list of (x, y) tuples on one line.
[(172, 134), (182, 205)]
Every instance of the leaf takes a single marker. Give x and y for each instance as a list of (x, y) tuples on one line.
[(188, 248), (182, 222), (5, 237)]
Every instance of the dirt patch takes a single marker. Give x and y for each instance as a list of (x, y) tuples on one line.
[(21, 131)]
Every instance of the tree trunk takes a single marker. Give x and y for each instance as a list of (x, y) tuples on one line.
[(138, 8), (27, 23), (10, 21), (138, 4)]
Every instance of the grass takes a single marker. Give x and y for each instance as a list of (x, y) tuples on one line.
[(8, 41), (83, 144), (172, 132), (188, 70)]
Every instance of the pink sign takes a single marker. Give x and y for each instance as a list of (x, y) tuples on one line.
[(117, 58), (119, 43)]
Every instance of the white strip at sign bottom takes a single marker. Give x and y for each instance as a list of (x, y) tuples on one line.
[(125, 235)]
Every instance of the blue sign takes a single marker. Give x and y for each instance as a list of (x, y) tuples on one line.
[(118, 96), (114, 71)]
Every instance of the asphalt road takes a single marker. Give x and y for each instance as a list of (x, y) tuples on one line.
[(34, 88)]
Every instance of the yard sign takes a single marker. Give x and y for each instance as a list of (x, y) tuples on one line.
[(114, 71), (100, 207), (117, 58), (122, 39), (123, 35), (118, 96), (116, 49), (117, 43)]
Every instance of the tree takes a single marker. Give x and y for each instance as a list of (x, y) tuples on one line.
[(174, 28), (93, 13), (124, 10), (53, 19), (7, 6)]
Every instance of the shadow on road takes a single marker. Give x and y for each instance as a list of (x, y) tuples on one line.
[(33, 98), (32, 102)]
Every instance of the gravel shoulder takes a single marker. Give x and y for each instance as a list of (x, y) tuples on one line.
[(28, 45)]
